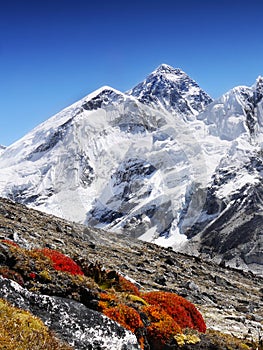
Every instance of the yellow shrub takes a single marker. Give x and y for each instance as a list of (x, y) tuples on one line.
[(45, 275), (20, 330)]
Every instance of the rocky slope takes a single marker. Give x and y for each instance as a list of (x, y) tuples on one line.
[(230, 300)]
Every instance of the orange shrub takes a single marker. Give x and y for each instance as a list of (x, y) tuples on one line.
[(107, 300), (181, 310), (162, 327), (126, 316)]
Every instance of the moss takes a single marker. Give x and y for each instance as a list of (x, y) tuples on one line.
[(28, 262), (124, 285), (223, 341), (7, 241), (155, 317), (164, 314), (107, 300), (6, 272), (182, 339), (20, 330)]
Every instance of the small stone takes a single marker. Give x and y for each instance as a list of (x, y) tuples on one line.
[(242, 308), (192, 286), (256, 318), (220, 281), (169, 261), (160, 280), (124, 267), (58, 228), (92, 245)]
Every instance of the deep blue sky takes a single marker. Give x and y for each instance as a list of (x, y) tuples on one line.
[(55, 52)]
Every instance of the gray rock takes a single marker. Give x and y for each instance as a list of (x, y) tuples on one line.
[(194, 287)]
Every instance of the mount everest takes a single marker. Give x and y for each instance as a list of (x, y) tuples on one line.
[(161, 162)]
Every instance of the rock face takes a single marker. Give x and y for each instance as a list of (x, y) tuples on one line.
[(235, 236), (230, 300), (162, 162)]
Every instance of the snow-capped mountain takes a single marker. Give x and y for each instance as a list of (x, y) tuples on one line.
[(162, 163), (229, 226)]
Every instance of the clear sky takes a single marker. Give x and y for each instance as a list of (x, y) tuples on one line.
[(54, 52)]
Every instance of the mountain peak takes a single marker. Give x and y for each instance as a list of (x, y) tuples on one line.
[(173, 90), (165, 68), (102, 90)]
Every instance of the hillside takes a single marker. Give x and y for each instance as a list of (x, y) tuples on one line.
[(230, 300)]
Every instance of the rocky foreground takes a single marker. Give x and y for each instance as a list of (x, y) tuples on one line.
[(230, 300)]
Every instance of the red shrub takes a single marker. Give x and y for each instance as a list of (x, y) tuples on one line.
[(181, 310), (62, 262)]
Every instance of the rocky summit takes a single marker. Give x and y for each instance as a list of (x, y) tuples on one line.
[(229, 300)]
